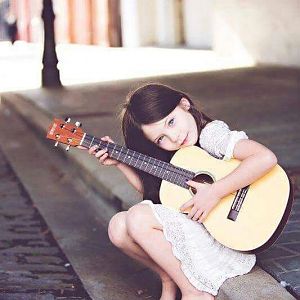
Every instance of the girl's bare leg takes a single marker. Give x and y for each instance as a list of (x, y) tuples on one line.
[(143, 227), (118, 235)]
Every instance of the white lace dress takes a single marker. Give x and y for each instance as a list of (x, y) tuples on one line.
[(204, 261)]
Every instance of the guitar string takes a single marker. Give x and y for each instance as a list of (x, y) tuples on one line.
[(166, 166), (182, 171)]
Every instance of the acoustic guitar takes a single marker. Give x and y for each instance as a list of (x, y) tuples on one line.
[(250, 219)]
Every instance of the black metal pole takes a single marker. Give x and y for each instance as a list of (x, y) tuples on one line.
[(50, 73)]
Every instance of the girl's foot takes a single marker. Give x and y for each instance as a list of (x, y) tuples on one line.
[(169, 289)]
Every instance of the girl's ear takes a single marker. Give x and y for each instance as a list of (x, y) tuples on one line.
[(185, 103)]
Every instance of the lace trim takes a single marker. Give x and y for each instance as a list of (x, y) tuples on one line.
[(172, 221), (218, 140)]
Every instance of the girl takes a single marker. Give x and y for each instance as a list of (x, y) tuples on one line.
[(157, 120)]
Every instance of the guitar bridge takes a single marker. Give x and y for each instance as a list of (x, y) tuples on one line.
[(237, 203)]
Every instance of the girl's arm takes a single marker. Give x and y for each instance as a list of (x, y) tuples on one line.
[(256, 161), (131, 176), (105, 160)]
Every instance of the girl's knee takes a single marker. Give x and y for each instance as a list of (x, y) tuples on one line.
[(117, 230), (139, 218)]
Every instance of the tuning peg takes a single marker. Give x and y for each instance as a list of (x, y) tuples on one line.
[(78, 124), (56, 144), (68, 147), (67, 120)]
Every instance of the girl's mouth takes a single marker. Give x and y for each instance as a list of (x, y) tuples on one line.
[(185, 140)]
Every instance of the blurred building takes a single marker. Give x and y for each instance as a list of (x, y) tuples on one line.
[(90, 22), (267, 31), (4, 7)]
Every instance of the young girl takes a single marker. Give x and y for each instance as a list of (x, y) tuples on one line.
[(158, 120)]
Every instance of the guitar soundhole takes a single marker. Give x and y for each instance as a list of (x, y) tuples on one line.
[(202, 178)]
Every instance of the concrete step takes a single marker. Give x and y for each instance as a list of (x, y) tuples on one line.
[(115, 194)]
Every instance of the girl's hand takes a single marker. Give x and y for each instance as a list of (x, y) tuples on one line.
[(202, 202), (102, 154)]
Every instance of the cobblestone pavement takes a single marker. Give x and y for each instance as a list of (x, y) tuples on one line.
[(32, 266), (282, 260)]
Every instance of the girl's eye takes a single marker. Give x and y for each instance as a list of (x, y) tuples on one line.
[(159, 140), (171, 121)]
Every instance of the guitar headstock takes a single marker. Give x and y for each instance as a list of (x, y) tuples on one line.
[(65, 132)]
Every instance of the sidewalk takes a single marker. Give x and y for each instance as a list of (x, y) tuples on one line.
[(239, 97)]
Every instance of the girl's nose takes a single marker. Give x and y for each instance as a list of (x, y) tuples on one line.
[(173, 136)]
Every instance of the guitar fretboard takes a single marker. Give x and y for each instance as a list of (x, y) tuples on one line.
[(156, 167)]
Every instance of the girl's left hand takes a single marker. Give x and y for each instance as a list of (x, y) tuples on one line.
[(202, 202)]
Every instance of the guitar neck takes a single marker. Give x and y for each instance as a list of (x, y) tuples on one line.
[(153, 166)]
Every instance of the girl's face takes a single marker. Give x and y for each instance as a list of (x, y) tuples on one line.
[(177, 130)]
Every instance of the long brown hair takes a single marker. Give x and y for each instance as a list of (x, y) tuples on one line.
[(149, 104)]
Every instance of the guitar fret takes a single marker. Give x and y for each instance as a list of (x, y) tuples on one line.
[(153, 166), (82, 140), (137, 160), (91, 142), (129, 156), (159, 169), (119, 155)]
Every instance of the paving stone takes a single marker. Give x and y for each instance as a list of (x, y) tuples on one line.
[(292, 226), (35, 296), (32, 250), (272, 267), (288, 237), (8, 266), (282, 260), (55, 276), (297, 290), (290, 263), (293, 246), (37, 243), (44, 259), (275, 251), (23, 236), (292, 277), (32, 265), (294, 217)]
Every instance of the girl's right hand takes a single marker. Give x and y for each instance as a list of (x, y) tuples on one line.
[(102, 154)]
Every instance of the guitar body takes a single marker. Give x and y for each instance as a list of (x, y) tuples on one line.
[(262, 211)]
